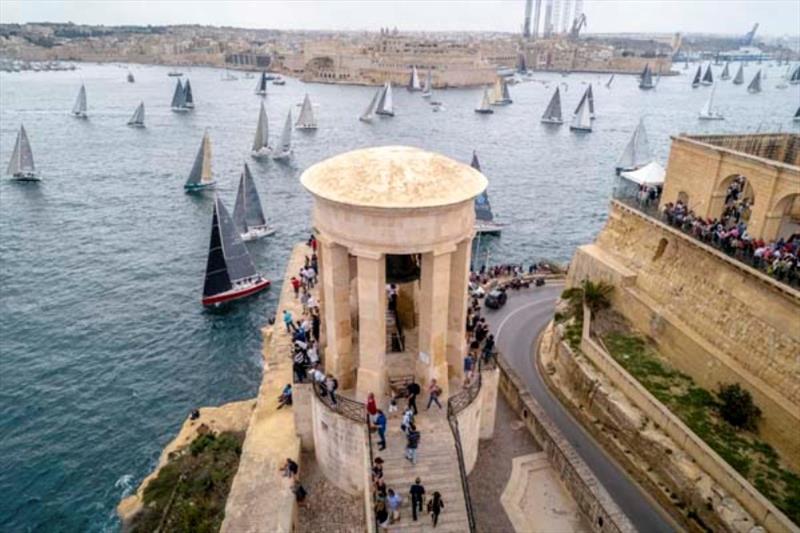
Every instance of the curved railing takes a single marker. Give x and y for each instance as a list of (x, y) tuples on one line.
[(348, 408)]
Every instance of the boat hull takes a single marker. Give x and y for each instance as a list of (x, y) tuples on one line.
[(26, 176), (711, 117), (80, 115), (199, 187), (484, 111), (281, 156), (264, 153), (552, 121), (385, 113), (135, 124), (580, 129), (488, 228), (236, 294), (257, 233), (306, 127), (502, 102), (180, 109), (261, 93), (646, 87), (706, 83), (189, 106)]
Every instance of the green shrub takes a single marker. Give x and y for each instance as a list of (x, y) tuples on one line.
[(737, 407)]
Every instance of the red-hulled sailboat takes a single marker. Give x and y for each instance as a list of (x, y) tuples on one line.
[(230, 272)]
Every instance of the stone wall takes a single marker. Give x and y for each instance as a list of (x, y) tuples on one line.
[(469, 429), (712, 317), (340, 445), (594, 502)]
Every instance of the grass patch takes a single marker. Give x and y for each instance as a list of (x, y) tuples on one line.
[(698, 408), (200, 478)]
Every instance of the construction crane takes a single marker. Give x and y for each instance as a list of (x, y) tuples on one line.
[(747, 40), (577, 24)]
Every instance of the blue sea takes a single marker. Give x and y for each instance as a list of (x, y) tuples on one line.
[(104, 346)]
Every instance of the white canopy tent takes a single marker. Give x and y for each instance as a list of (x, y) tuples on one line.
[(652, 174)]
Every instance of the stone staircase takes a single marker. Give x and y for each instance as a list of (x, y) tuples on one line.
[(437, 468)]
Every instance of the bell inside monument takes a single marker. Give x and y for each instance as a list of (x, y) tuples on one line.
[(402, 268)]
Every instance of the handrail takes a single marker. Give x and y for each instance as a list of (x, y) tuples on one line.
[(371, 464), (352, 409)]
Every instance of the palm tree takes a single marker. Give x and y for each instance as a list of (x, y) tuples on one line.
[(594, 295)]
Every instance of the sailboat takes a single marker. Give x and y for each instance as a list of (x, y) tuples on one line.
[(637, 151), (522, 63), (582, 120), (261, 145), (739, 78), (646, 81), (179, 99), (385, 103), (794, 79), (261, 86), (174, 73), (708, 77), (137, 120), (79, 109), (587, 97), (708, 113), (247, 213), (230, 272), (413, 81), (500, 94), (608, 83), (427, 89), (552, 115), (284, 149), (484, 106), (187, 95), (755, 85), (697, 76), (306, 120), (484, 218), (200, 177), (726, 74), (369, 112), (21, 166), (130, 77), (797, 115)]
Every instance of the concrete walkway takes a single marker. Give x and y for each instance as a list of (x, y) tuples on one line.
[(516, 327), (437, 466)]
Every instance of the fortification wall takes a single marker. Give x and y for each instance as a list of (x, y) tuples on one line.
[(714, 319)]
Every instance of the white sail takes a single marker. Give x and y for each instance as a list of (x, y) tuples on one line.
[(369, 112), (755, 85), (200, 176), (582, 120), (306, 120), (485, 103), (552, 115), (385, 105), (21, 163), (708, 113), (261, 139), (637, 151), (138, 116), (284, 148), (427, 90), (413, 82), (79, 109)]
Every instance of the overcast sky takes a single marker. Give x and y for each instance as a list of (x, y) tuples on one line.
[(777, 17)]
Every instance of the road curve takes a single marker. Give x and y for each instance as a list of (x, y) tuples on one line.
[(516, 327)]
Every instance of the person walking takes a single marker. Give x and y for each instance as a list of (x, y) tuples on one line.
[(435, 507), (412, 442), (381, 515), (380, 423), (295, 286), (488, 348), (434, 391), (408, 420), (417, 492), (288, 321), (413, 390), (394, 501), (332, 384), (372, 407)]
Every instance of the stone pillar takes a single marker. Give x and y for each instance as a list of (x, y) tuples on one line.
[(457, 310), (335, 301), (371, 324), (433, 323)]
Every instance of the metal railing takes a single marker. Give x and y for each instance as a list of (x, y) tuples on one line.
[(371, 464), (348, 408)]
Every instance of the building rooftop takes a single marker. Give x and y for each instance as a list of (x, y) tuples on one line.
[(778, 147), (393, 177)]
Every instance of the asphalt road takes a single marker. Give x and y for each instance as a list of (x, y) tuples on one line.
[(516, 327)]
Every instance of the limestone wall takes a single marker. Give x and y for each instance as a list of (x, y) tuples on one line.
[(340, 447), (713, 318), (469, 429), (594, 503)]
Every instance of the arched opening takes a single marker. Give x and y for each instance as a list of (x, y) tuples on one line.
[(789, 210), (737, 197)]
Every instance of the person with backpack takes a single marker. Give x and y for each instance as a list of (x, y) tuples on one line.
[(412, 442)]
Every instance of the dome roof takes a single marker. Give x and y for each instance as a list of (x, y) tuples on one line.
[(393, 177)]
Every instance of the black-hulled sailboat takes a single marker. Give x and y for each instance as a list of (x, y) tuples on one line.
[(261, 86), (80, 108), (137, 120), (552, 115), (130, 78), (708, 77), (200, 177), (697, 76), (306, 120), (261, 147), (21, 167), (247, 213), (646, 81), (230, 272), (188, 98), (794, 79), (178, 104), (484, 218)]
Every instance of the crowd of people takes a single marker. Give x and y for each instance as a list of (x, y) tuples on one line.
[(485, 273), (779, 258)]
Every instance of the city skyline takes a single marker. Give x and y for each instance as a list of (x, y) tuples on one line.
[(776, 17)]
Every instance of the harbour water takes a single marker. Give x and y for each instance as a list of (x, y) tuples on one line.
[(104, 346)]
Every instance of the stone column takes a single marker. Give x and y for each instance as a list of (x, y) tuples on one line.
[(335, 301), (434, 303), (457, 310), (371, 324)]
